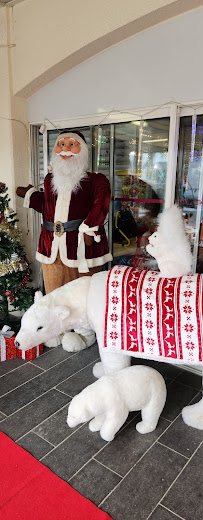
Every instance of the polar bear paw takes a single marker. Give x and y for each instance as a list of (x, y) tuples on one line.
[(106, 434), (54, 342), (96, 423), (98, 370), (72, 342), (193, 415), (142, 427)]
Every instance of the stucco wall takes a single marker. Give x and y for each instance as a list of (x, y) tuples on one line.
[(14, 138), (51, 37), (159, 65)]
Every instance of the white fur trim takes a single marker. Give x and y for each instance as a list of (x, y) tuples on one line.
[(82, 262), (61, 214), (26, 203), (58, 243), (71, 135), (91, 262)]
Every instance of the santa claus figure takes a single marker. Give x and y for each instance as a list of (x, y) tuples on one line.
[(74, 206)]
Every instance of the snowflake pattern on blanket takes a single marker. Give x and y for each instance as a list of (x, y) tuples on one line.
[(153, 317)]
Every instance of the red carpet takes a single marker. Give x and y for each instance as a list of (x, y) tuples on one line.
[(30, 491)]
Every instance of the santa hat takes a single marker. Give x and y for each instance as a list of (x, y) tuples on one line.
[(74, 134)]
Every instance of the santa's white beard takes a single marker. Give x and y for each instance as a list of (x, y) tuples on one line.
[(67, 173)]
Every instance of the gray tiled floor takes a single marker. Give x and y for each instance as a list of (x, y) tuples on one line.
[(158, 476)]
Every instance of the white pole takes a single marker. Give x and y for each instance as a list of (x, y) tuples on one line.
[(45, 152), (172, 156)]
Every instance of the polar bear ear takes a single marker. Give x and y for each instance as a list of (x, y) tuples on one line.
[(38, 296), (62, 311)]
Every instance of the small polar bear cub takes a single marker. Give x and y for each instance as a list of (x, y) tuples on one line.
[(169, 245), (107, 402)]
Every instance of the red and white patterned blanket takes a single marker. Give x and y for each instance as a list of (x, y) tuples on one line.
[(153, 317)]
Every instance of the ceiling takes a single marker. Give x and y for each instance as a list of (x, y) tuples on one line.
[(9, 3)]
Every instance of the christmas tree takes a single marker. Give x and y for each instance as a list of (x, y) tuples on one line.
[(14, 268)]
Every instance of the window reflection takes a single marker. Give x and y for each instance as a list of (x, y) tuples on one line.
[(141, 153), (140, 150), (189, 184)]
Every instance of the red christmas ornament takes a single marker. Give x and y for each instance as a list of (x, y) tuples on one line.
[(7, 293)]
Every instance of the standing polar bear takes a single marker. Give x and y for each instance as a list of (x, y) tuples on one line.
[(108, 401)]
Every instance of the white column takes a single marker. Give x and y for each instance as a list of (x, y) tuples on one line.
[(172, 156), (14, 137)]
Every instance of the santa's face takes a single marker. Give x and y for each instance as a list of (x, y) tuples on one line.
[(67, 147), (69, 162)]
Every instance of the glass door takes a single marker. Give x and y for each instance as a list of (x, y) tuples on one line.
[(134, 156), (140, 167), (189, 184)]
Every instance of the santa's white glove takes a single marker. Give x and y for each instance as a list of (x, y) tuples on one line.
[(82, 262)]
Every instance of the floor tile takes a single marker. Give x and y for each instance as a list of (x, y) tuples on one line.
[(55, 428), (76, 383), (18, 377), (147, 362), (34, 413), (130, 445), (178, 396), (168, 370), (185, 498), (182, 438), (74, 452), (130, 475), (51, 357), (190, 379), (160, 513), (45, 381), (137, 495), (94, 481), (11, 364), (35, 445)]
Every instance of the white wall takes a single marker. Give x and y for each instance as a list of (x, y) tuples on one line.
[(161, 64), (52, 36)]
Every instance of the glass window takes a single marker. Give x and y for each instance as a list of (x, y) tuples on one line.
[(135, 162), (101, 149), (189, 184), (140, 166), (41, 160)]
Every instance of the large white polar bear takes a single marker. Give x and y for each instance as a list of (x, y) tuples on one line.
[(108, 401)]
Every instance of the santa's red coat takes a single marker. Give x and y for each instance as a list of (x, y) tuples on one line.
[(90, 203)]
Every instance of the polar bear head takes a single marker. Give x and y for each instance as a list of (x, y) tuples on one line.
[(41, 323), (154, 239), (79, 410), (157, 246)]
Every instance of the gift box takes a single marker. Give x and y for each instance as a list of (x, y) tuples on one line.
[(31, 353), (7, 343)]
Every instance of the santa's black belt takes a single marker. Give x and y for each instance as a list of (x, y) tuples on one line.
[(61, 227)]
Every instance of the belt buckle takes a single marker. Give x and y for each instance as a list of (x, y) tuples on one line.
[(58, 228)]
